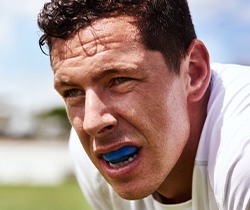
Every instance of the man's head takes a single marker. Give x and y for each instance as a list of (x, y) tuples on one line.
[(138, 121), (164, 25)]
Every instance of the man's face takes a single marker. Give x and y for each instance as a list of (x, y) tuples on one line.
[(128, 108)]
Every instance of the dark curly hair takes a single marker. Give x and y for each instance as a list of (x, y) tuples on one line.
[(164, 25)]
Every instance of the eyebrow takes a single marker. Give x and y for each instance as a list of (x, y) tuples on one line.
[(62, 84), (105, 73)]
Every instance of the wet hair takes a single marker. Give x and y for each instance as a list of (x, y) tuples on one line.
[(164, 25)]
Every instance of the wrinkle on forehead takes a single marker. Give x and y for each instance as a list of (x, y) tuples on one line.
[(102, 35)]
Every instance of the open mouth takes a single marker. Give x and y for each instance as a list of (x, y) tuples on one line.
[(122, 156)]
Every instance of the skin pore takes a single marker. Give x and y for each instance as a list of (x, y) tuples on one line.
[(118, 93)]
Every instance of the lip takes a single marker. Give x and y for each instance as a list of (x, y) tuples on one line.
[(123, 171), (109, 148)]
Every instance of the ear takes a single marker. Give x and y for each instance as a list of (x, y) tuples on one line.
[(198, 70)]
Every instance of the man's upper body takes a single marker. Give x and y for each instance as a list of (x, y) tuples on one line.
[(136, 83), (221, 176)]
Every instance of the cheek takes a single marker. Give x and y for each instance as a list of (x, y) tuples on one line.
[(178, 121), (169, 119), (75, 115)]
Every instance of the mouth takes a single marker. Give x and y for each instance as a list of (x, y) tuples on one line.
[(121, 157)]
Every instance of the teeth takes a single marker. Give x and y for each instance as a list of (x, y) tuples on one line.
[(124, 163)]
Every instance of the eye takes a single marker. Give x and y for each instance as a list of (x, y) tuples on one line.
[(72, 93), (120, 80)]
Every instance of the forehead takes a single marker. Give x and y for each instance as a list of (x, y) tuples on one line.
[(102, 35)]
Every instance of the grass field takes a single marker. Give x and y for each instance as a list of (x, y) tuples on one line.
[(66, 196)]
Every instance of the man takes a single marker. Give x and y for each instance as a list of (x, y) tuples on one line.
[(159, 128)]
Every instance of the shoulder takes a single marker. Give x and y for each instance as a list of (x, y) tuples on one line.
[(225, 76), (229, 103), (226, 136)]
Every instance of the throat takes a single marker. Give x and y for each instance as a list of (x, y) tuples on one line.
[(164, 200)]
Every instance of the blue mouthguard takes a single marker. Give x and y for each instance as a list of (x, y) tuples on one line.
[(116, 155)]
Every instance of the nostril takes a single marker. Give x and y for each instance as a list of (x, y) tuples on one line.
[(107, 128)]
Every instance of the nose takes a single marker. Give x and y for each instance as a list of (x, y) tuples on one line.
[(97, 117)]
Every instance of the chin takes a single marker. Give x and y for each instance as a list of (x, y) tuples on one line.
[(133, 193)]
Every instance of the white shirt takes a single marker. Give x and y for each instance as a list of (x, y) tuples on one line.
[(221, 176)]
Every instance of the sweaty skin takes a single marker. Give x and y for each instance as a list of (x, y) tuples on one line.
[(118, 93)]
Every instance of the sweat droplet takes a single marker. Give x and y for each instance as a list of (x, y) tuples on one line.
[(118, 154)]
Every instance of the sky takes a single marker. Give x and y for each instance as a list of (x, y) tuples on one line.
[(26, 83)]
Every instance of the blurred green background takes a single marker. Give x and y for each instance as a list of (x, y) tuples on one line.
[(65, 196), (36, 172)]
